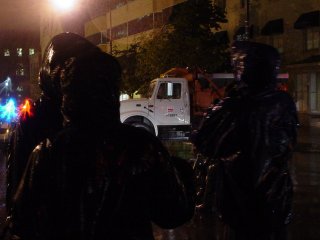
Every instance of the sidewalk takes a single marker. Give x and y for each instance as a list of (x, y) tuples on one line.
[(308, 139)]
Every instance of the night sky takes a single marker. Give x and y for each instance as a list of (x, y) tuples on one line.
[(19, 14)]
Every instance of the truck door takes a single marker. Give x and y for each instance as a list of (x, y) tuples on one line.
[(169, 105)]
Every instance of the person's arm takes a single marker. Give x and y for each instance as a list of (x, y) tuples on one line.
[(274, 187), (21, 145), (29, 198), (172, 193)]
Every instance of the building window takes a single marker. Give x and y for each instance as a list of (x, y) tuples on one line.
[(166, 13), (242, 33), (313, 38), (277, 42), (20, 70), (117, 3), (98, 38), (6, 53), (139, 25), (301, 92), (314, 91), (31, 51), (119, 31), (19, 89), (19, 52)]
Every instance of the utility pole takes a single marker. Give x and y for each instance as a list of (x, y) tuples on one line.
[(110, 30)]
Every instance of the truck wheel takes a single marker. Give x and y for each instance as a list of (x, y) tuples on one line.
[(143, 126)]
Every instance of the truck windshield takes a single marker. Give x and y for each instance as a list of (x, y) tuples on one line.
[(149, 93)]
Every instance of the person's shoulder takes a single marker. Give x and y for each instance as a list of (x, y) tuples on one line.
[(283, 99), (140, 140), (39, 155), (42, 146), (68, 135), (283, 95), (274, 95)]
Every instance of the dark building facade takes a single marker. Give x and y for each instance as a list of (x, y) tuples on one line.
[(292, 26), (18, 49)]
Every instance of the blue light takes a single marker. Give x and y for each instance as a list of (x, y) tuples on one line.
[(8, 111)]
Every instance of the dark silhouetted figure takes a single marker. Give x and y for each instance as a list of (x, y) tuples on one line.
[(44, 118), (98, 178), (249, 137)]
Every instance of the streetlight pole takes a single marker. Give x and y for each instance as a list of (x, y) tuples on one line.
[(247, 22), (110, 30)]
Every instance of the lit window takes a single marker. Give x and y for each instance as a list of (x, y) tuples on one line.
[(19, 52), (31, 51), (20, 70), (6, 53), (277, 42), (301, 94), (19, 89), (313, 38), (314, 92)]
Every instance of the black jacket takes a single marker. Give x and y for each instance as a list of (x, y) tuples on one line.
[(250, 139), (88, 185), (43, 121)]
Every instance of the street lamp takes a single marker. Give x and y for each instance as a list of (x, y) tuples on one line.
[(57, 16), (63, 5)]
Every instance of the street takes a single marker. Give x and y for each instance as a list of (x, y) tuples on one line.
[(306, 176), (306, 220)]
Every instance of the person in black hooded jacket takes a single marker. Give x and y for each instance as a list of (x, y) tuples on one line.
[(249, 138), (43, 119), (98, 178)]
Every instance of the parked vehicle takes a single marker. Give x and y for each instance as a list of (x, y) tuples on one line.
[(175, 106)]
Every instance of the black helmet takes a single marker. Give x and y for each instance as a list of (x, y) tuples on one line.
[(255, 64), (61, 47), (90, 88)]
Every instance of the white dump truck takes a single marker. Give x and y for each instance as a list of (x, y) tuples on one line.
[(173, 105), (164, 112)]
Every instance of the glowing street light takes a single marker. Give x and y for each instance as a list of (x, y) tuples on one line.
[(6, 86), (63, 5)]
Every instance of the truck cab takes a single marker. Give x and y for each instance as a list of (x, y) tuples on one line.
[(164, 112)]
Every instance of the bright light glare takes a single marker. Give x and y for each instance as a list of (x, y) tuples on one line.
[(8, 112), (63, 5)]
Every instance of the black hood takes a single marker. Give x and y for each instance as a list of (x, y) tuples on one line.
[(61, 47), (256, 65), (90, 88)]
